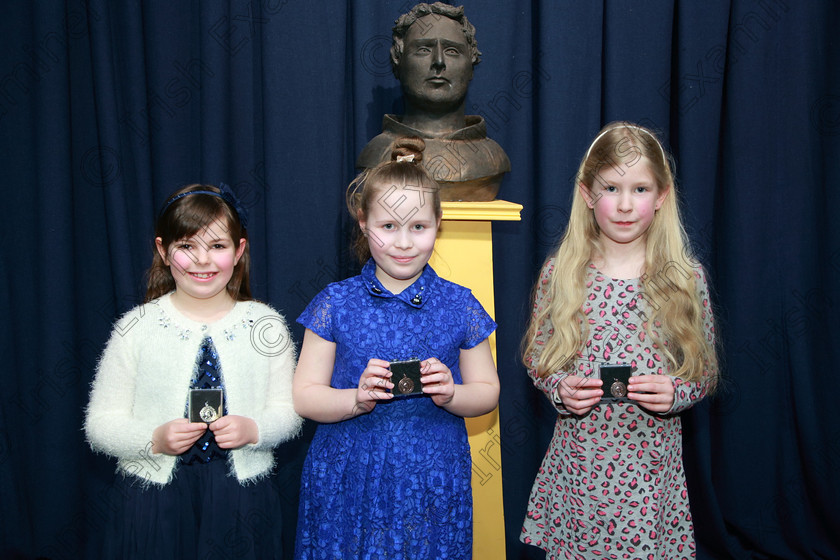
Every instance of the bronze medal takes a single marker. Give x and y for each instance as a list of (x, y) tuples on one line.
[(406, 385), (618, 389)]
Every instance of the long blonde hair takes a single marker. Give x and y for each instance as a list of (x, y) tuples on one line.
[(668, 282)]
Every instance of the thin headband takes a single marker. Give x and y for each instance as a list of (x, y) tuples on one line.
[(226, 194), (633, 126)]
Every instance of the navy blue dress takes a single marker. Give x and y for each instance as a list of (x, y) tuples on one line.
[(394, 483), (204, 512)]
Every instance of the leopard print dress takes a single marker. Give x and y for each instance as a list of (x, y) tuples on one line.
[(612, 483)]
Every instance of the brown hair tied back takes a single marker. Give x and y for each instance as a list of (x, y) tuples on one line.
[(404, 169), (408, 149)]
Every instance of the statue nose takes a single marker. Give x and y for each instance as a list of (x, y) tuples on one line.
[(437, 57)]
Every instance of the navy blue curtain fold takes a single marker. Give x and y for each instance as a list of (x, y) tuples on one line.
[(107, 107)]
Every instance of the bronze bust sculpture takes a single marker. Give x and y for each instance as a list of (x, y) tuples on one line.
[(433, 54)]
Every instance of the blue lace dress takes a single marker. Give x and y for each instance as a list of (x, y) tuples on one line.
[(394, 483)]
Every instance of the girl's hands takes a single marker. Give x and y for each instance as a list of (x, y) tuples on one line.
[(653, 392), (657, 392), (176, 436), (437, 381), (232, 431), (373, 385), (579, 394)]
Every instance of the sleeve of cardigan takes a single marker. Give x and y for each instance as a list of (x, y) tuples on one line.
[(277, 421), (111, 427)]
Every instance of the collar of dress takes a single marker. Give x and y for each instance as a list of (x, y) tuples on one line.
[(415, 295)]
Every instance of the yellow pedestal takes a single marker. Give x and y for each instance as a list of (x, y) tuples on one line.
[(464, 254)]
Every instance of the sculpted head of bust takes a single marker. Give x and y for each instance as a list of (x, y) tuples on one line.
[(432, 55)]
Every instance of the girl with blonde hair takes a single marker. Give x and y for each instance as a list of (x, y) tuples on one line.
[(621, 340)]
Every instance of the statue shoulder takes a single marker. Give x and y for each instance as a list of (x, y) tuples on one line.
[(376, 151)]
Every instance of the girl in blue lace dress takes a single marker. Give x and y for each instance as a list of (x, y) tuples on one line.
[(200, 488), (388, 474)]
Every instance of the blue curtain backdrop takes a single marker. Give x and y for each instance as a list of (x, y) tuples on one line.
[(106, 107)]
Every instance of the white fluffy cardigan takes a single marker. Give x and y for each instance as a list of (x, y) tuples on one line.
[(144, 374)]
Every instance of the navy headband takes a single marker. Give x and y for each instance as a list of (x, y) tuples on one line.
[(226, 194)]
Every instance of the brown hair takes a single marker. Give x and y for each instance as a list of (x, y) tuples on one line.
[(404, 168), (183, 216)]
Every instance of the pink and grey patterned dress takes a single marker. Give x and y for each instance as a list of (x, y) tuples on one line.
[(612, 483)]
